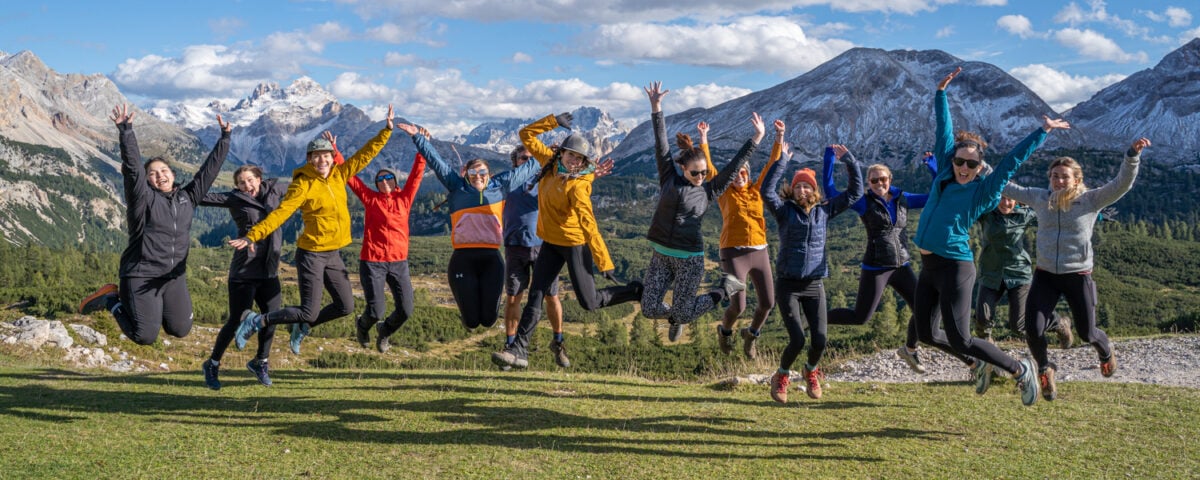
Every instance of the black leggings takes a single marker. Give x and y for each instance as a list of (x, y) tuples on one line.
[(244, 294), (546, 268), (946, 285), (151, 302), (870, 290), (476, 278), (393, 275), (314, 270), (1080, 291), (799, 300)]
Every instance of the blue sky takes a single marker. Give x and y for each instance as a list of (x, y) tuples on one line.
[(452, 64)]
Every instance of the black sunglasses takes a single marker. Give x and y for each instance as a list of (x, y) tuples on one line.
[(386, 176), (972, 164), (879, 180), (698, 173)]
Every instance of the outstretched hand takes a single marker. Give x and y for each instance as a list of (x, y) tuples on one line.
[(604, 168), (122, 114), (656, 93), (780, 127), (240, 243), (225, 126), (1049, 124), (760, 128), (391, 114), (331, 137), (839, 150), (946, 81), (702, 127), (564, 119), (1139, 144), (406, 128)]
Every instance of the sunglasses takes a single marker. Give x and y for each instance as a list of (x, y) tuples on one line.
[(879, 180), (477, 171), (386, 176), (525, 157), (959, 161), (698, 173)]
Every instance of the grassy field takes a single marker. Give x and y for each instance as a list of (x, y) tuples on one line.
[(488, 424)]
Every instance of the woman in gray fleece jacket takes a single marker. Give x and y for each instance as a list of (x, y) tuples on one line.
[(1066, 214)]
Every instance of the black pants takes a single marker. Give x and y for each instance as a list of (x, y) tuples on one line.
[(946, 285), (151, 302), (870, 290), (546, 268), (985, 308), (1080, 291), (317, 269), (244, 294), (393, 275), (476, 277), (799, 300)]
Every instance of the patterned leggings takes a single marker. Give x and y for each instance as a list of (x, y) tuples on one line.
[(685, 274)]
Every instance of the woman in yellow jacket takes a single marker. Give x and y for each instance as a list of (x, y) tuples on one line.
[(318, 189), (744, 247), (569, 233)]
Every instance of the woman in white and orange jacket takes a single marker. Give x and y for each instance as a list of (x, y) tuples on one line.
[(569, 234)]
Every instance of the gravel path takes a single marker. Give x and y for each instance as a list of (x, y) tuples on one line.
[(1173, 360)]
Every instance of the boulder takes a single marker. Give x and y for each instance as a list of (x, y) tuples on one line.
[(90, 335)]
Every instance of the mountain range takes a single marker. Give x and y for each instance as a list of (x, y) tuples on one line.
[(54, 126)]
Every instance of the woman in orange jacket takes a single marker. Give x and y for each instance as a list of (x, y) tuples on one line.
[(569, 233), (318, 189)]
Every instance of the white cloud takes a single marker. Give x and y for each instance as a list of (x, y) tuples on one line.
[(394, 59), (769, 44), (1095, 45), (1178, 17), (944, 32), (202, 70), (1074, 15), (521, 57), (1060, 89), (991, 3), (1189, 35), (350, 86), (1018, 25), (409, 32)]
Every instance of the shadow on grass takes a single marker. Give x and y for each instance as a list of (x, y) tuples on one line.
[(459, 415)]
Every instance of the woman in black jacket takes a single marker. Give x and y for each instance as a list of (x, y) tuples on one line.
[(158, 213), (253, 273), (678, 260)]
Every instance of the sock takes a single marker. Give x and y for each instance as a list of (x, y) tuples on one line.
[(753, 331), (810, 367), (558, 337), (214, 363), (783, 371), (511, 339)]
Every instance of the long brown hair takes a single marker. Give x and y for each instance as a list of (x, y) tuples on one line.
[(1061, 200), (788, 194)]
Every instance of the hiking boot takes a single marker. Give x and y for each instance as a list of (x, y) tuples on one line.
[(812, 380), (1109, 367), (261, 370), (509, 358), (728, 286), (1064, 334), (362, 333), (1046, 383), (249, 325), (381, 338), (560, 354), (748, 341), (674, 331), (779, 387), (98, 300), (911, 359), (725, 340), (982, 373), (299, 331), (211, 372), (1027, 382)]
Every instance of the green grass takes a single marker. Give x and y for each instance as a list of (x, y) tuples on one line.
[(486, 424)]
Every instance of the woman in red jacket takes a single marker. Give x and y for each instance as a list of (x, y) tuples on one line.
[(383, 260)]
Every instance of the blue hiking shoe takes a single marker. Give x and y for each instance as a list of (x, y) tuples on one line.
[(248, 327), (261, 370), (299, 331), (982, 372), (1027, 382), (211, 370)]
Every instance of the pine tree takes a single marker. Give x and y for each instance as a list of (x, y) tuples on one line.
[(642, 333), (883, 324)]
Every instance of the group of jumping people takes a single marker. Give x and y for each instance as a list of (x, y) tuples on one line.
[(540, 212)]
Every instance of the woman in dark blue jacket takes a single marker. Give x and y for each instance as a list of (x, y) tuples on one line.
[(958, 196), (677, 263), (253, 273), (802, 216)]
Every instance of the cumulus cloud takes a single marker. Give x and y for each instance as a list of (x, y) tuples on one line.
[(1095, 45), (202, 70), (944, 32), (521, 57), (351, 86), (1178, 17), (1060, 89), (769, 44), (1018, 25), (1097, 12), (991, 3)]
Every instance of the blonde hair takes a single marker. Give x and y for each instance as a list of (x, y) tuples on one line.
[(787, 193), (1061, 200), (879, 167)]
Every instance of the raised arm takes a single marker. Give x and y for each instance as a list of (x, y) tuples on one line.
[(662, 149), (776, 151), (132, 170), (723, 179), (356, 184), (529, 135), (218, 199), (768, 189), (413, 183), (449, 178), (364, 155), (994, 183), (702, 127), (1112, 191), (827, 182), (854, 190), (296, 195), (207, 174), (943, 142)]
